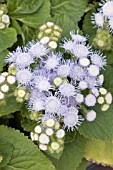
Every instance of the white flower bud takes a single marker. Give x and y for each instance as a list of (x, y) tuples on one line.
[(1, 95), (38, 129), (91, 116), (11, 79), (44, 139), (2, 79), (5, 88), (49, 24), (1, 12), (105, 107), (108, 98), (57, 81), (34, 136), (44, 40), (5, 74), (42, 147), (50, 122), (84, 62), (5, 19), (21, 93), (60, 133), (102, 91), (52, 44), (54, 146), (49, 131), (100, 100)]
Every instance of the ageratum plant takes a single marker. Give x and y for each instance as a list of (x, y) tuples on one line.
[(61, 89), (56, 91)]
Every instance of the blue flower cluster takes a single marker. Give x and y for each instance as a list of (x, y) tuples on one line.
[(61, 87)]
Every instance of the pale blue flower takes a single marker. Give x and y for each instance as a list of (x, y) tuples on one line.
[(24, 76), (90, 100), (77, 72), (98, 59), (37, 49)]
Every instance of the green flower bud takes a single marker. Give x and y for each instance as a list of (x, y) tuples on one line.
[(40, 35), (1, 158), (57, 34), (103, 40), (2, 25), (48, 31), (12, 69), (43, 27), (19, 99), (54, 39)]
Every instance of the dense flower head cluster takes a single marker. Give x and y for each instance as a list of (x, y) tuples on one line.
[(49, 135), (59, 89), (49, 34), (104, 16)]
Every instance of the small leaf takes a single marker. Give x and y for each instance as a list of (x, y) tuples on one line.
[(28, 125), (74, 9), (99, 129), (3, 55), (25, 155), (6, 150), (8, 37), (10, 107), (100, 152), (72, 155), (88, 27), (31, 13), (108, 76), (65, 23), (70, 136)]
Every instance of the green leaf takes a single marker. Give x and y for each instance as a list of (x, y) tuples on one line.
[(65, 23), (29, 33), (70, 136), (25, 155), (74, 9), (6, 150), (28, 125), (101, 128), (18, 28), (88, 27), (72, 155), (83, 165), (108, 76), (100, 152), (8, 37), (109, 57), (10, 107), (2, 59), (32, 13)]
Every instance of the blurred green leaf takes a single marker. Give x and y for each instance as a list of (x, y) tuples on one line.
[(3, 55), (99, 129), (100, 152), (8, 37), (31, 13), (6, 150), (25, 155), (74, 9)]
